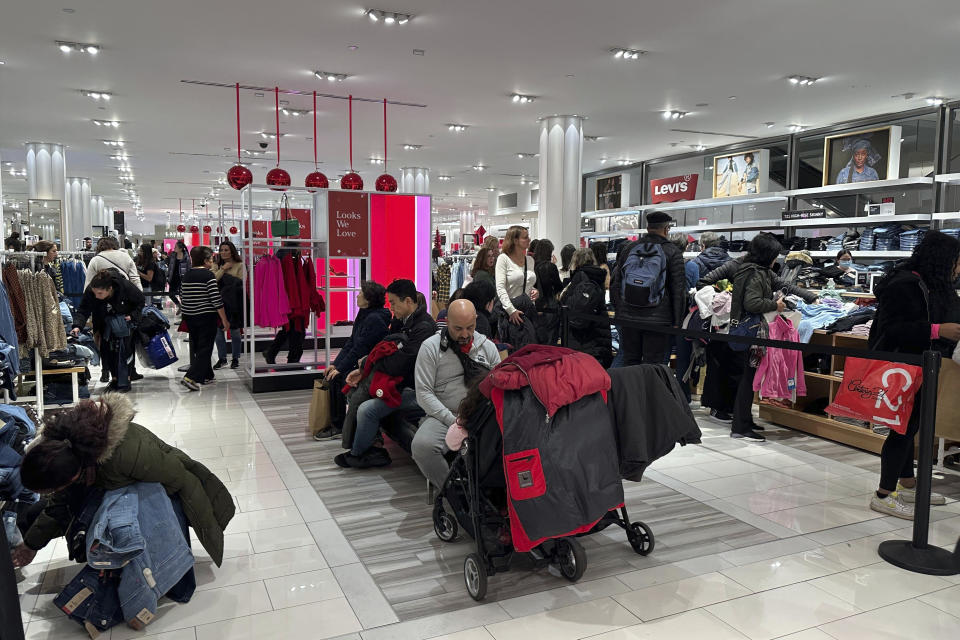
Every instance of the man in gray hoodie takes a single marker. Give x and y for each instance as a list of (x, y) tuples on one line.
[(441, 384)]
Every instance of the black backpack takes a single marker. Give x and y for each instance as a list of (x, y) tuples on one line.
[(583, 297)]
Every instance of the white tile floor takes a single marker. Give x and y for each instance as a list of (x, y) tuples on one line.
[(290, 573)]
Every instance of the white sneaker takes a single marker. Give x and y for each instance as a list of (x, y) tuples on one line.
[(892, 505), (910, 496)]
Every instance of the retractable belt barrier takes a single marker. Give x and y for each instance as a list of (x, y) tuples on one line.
[(914, 555)]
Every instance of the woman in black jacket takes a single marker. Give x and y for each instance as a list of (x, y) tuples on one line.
[(482, 294), (115, 304), (753, 288), (917, 309), (369, 327), (585, 294), (549, 286)]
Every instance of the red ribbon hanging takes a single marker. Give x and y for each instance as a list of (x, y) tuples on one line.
[(238, 123), (276, 97), (384, 135), (181, 209), (350, 108), (315, 130)]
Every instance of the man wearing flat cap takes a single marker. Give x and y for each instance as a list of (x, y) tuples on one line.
[(859, 168), (649, 286)]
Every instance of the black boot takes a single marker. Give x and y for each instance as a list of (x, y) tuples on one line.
[(235, 364), (220, 363)]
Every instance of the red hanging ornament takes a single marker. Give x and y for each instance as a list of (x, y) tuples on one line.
[(206, 228), (233, 231), (194, 228), (316, 179), (181, 228), (352, 180), (385, 182), (277, 177), (239, 176)]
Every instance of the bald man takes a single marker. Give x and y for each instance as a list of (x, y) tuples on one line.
[(441, 384)]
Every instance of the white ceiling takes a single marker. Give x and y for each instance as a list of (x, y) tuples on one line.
[(476, 55)]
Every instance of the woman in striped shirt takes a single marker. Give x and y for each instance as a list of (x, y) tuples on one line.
[(201, 305)]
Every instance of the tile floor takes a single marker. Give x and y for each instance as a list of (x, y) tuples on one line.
[(800, 563)]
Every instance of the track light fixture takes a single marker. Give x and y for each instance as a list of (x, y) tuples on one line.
[(935, 101), (490, 188), (444, 178), (802, 81), (98, 95), (479, 167), (459, 128), (79, 47), (522, 99), (620, 53), (376, 160), (296, 113), (388, 17), (671, 114), (113, 143), (330, 76), (412, 147), (106, 123), (269, 135)]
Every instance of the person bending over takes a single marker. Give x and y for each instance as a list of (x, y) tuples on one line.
[(446, 366)]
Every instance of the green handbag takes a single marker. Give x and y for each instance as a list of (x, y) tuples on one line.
[(285, 227)]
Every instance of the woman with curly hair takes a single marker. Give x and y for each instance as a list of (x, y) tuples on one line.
[(917, 309), (97, 444)]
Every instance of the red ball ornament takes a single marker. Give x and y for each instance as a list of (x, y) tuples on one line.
[(206, 228), (387, 182), (181, 228), (239, 176), (277, 177), (194, 228), (316, 180), (233, 231), (352, 181)]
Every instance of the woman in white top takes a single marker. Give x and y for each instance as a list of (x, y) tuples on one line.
[(512, 264)]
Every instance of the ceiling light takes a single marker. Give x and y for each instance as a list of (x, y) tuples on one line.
[(523, 99), (373, 15), (527, 155), (802, 81), (272, 136), (330, 76), (796, 128), (113, 143), (106, 123), (98, 95), (296, 113), (388, 17), (376, 160), (592, 138), (671, 114), (79, 47), (603, 161), (444, 178), (490, 188), (412, 147), (620, 53), (479, 167), (935, 101), (623, 162), (459, 128), (698, 147), (769, 125)]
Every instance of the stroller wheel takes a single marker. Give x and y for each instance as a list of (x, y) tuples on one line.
[(475, 575), (444, 524), (641, 538), (571, 558)]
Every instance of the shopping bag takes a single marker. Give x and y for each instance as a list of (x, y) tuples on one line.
[(286, 226), (157, 352), (878, 392), (319, 407)]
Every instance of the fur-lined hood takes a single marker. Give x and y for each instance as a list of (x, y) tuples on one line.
[(121, 414)]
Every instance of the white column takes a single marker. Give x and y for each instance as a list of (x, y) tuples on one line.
[(467, 223), (3, 226), (414, 180), (46, 175), (561, 159), (79, 209)]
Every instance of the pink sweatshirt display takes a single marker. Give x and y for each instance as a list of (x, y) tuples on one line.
[(780, 374), (270, 303)]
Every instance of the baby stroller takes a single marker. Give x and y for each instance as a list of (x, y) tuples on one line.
[(538, 480)]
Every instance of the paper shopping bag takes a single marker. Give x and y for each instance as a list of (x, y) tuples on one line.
[(878, 392), (319, 407)]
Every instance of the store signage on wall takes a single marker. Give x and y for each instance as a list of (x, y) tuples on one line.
[(118, 217), (588, 225), (673, 189), (303, 217), (348, 224), (804, 214)]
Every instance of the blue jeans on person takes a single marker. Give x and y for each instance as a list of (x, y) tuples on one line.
[(236, 344), (369, 415)]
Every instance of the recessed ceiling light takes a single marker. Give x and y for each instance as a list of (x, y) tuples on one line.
[(603, 161), (620, 53), (106, 123), (671, 114), (796, 128), (69, 10), (113, 143), (330, 76), (353, 47), (592, 138), (527, 155), (769, 125), (444, 178), (376, 160), (490, 188), (296, 113), (79, 47), (98, 95), (623, 162), (412, 147), (459, 128), (935, 101), (272, 136), (802, 81), (731, 97), (479, 167), (388, 17), (522, 99)]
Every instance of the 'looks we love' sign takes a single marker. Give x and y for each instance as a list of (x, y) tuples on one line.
[(673, 189)]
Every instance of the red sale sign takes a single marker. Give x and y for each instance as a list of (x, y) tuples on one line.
[(673, 189)]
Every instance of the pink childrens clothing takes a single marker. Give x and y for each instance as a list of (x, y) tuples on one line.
[(271, 304), (456, 434), (780, 374)]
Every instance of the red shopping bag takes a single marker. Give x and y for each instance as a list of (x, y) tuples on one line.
[(878, 392)]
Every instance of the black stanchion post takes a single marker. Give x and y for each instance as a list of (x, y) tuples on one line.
[(917, 555), (564, 326)]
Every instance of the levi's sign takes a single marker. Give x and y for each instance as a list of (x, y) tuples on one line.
[(673, 189)]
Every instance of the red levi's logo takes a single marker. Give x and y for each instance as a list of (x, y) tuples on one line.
[(673, 189)]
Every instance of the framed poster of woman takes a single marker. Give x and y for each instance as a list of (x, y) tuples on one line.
[(862, 156), (608, 192), (741, 173)]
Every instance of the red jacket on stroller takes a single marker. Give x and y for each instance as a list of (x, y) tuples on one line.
[(559, 443)]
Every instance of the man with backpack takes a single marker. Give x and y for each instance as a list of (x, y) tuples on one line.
[(649, 286)]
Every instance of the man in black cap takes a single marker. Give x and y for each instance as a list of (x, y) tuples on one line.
[(649, 286)]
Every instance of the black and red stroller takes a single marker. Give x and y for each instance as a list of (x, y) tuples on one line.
[(538, 468)]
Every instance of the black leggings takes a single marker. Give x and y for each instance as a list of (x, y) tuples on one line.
[(896, 457), (743, 401)]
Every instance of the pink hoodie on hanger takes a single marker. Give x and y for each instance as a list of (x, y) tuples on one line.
[(780, 374), (270, 303)]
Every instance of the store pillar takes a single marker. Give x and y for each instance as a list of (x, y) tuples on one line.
[(78, 218), (415, 180), (47, 175), (4, 232), (561, 159)]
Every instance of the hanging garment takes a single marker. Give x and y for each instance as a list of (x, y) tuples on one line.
[(443, 283), (8, 326), (780, 374), (271, 304), (45, 329), (18, 302)]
